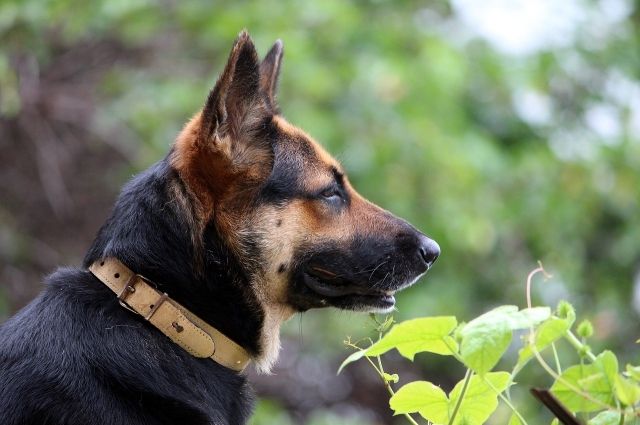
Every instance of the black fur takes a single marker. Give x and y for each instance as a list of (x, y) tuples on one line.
[(75, 356), (364, 265), (149, 232)]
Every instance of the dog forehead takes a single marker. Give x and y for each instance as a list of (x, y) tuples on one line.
[(298, 150)]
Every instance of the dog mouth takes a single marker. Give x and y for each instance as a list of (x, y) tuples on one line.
[(347, 295)]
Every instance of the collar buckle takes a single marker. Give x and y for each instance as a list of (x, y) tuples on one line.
[(129, 288), (156, 305)]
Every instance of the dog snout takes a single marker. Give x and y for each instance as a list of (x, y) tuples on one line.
[(421, 249), (428, 249)]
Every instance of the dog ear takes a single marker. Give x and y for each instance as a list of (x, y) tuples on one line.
[(235, 99), (270, 71)]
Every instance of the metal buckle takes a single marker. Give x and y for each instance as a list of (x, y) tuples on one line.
[(156, 305), (129, 288)]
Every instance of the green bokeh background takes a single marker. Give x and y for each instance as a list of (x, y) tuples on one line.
[(505, 156)]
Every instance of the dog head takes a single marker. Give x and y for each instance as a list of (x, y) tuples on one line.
[(284, 207)]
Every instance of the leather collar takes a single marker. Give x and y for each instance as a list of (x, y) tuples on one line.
[(139, 295)]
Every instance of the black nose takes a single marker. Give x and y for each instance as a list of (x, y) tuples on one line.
[(429, 250)]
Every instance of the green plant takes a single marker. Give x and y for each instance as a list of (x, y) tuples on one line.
[(594, 387)]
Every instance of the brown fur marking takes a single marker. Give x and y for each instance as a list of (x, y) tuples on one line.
[(222, 161)]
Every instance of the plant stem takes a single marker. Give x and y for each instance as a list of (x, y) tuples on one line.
[(467, 378), (391, 392), (556, 358), (378, 357), (388, 385), (380, 372), (506, 401), (573, 340), (576, 390), (529, 279)]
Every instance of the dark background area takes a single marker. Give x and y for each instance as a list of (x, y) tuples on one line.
[(507, 131)]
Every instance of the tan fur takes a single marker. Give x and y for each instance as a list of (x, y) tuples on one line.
[(211, 172), (286, 127), (362, 214), (278, 243), (294, 132), (195, 164), (299, 221), (318, 172), (214, 171), (222, 165)]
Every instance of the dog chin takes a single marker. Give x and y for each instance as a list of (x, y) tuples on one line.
[(411, 282), (377, 309), (364, 303), (324, 294), (377, 304)]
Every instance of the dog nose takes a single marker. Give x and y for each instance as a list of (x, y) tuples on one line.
[(429, 250)]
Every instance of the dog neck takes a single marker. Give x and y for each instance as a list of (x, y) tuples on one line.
[(138, 295), (150, 231)]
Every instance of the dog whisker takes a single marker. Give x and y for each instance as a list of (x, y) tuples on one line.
[(376, 268)]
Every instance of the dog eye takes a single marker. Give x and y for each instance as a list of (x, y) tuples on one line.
[(331, 194)]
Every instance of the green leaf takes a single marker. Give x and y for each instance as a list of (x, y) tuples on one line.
[(484, 344), (627, 391), (480, 400), (515, 319), (498, 313), (527, 317), (547, 333), (485, 339), (430, 334), (352, 358), (633, 372), (607, 363), (589, 378), (607, 417), (423, 397)]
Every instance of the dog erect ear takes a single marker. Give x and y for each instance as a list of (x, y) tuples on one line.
[(235, 102), (222, 145), (269, 72)]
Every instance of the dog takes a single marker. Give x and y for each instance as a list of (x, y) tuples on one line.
[(244, 223)]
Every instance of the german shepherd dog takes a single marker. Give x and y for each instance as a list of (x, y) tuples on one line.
[(245, 222)]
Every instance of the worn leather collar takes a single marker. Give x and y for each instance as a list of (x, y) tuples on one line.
[(138, 294)]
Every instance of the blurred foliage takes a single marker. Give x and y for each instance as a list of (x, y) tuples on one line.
[(268, 412), (504, 157)]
